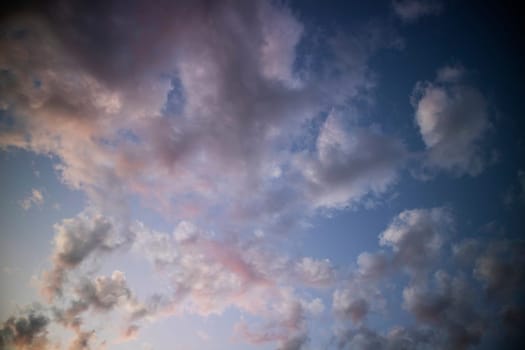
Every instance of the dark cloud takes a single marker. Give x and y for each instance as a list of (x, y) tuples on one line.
[(447, 306), (501, 268), (25, 331)]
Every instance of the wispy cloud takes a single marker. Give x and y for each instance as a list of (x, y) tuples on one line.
[(35, 198)]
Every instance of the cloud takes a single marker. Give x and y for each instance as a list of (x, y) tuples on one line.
[(356, 298), (285, 323), (453, 118), (477, 302), (27, 331), (416, 237), (373, 265), (354, 308), (349, 163), (76, 240), (82, 341), (217, 114), (500, 269), (447, 306), (35, 198), (412, 10), (315, 272), (104, 293)]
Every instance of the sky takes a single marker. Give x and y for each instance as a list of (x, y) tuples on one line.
[(277, 175)]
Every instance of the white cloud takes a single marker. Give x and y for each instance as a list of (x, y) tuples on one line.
[(453, 118), (350, 163)]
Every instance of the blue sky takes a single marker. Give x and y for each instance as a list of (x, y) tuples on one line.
[(261, 175)]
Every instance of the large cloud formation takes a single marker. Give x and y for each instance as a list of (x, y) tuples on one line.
[(211, 117), (204, 112)]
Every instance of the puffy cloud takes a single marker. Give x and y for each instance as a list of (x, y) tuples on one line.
[(452, 117), (25, 332), (285, 322), (356, 298), (349, 164), (373, 265), (362, 339), (500, 267), (76, 240), (104, 292), (416, 236), (412, 10), (35, 198), (347, 305), (315, 272), (447, 306), (215, 115)]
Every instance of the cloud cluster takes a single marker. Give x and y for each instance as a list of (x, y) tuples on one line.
[(206, 274), (203, 111), (223, 110), (478, 302)]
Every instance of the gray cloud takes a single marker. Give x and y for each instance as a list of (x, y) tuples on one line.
[(104, 293), (76, 240), (500, 268), (448, 306)]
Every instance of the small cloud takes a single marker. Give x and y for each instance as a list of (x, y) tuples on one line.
[(453, 118), (35, 198), (412, 10)]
